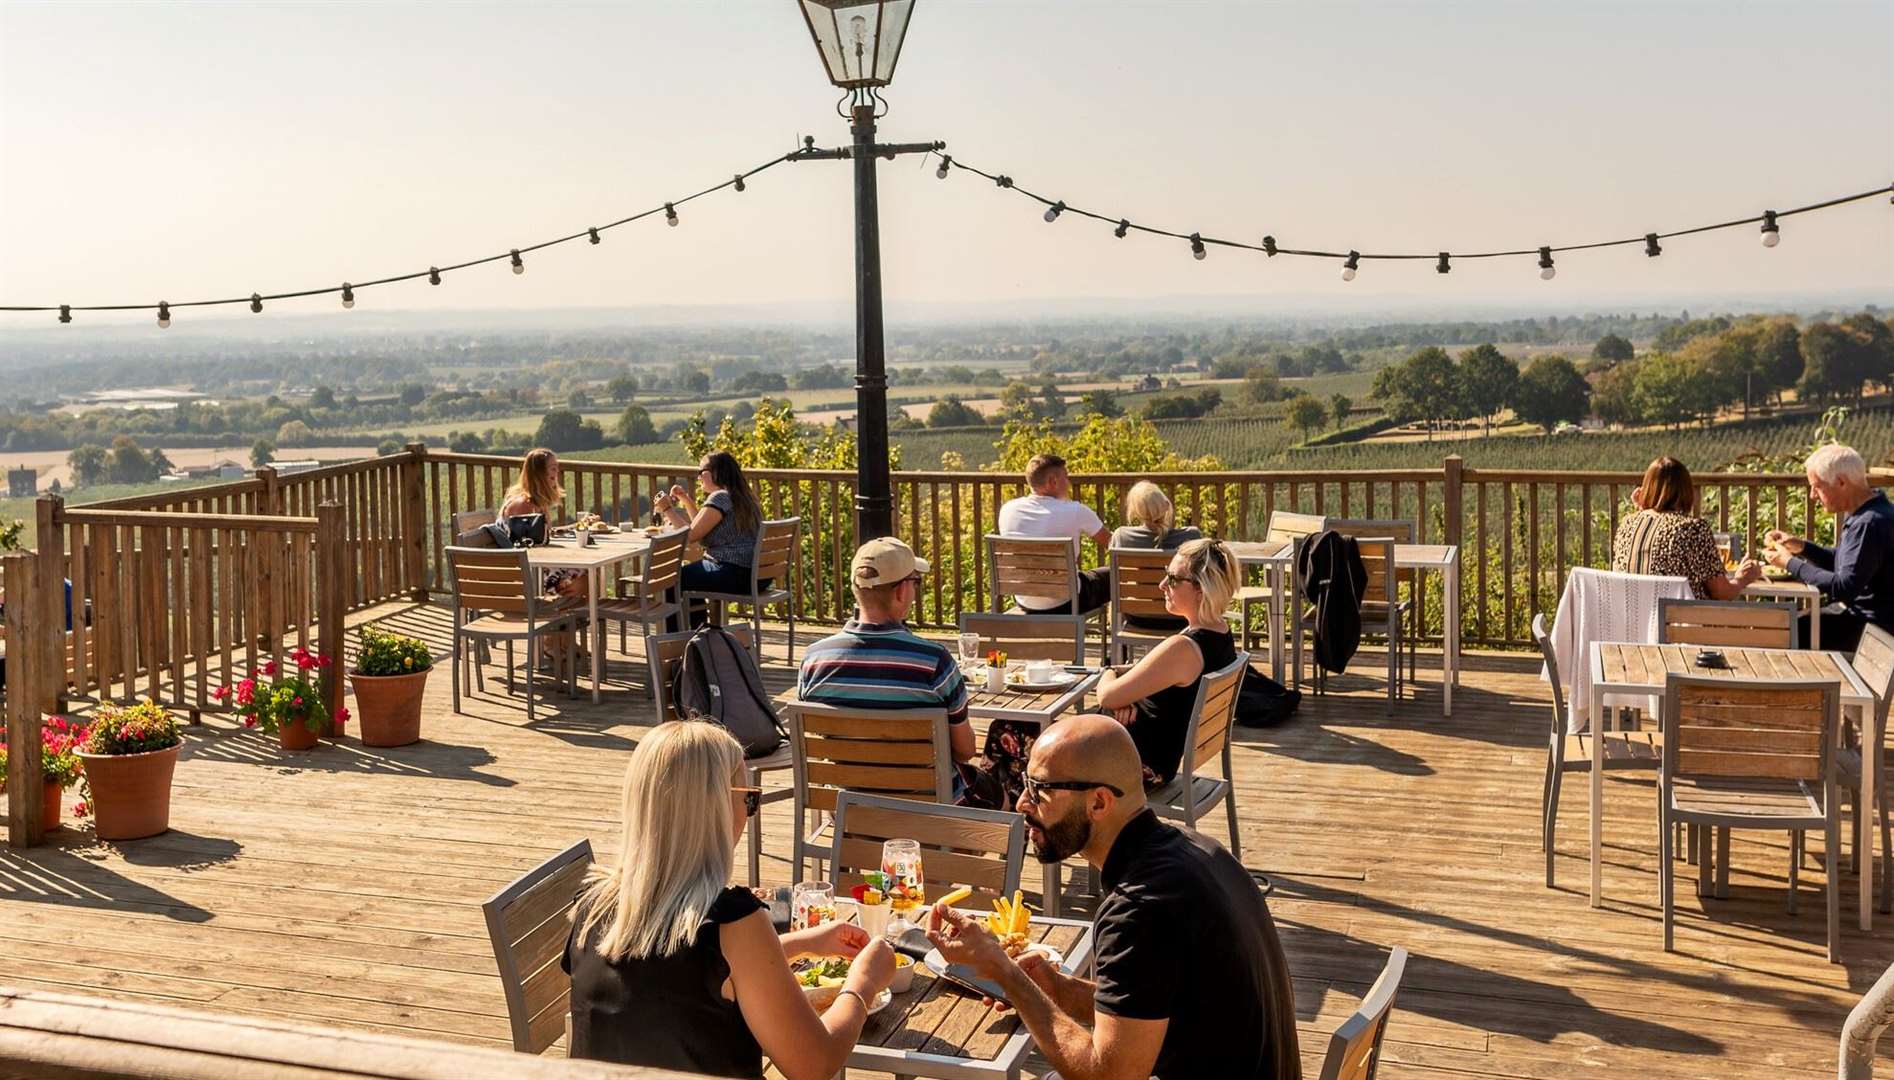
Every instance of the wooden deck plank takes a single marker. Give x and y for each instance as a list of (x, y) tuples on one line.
[(343, 886)]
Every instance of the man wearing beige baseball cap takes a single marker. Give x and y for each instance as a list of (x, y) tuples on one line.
[(876, 662)]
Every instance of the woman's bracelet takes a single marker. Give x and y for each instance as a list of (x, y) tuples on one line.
[(858, 997)]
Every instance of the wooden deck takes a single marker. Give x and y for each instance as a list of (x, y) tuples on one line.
[(342, 886)]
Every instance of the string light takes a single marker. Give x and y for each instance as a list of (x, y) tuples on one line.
[(592, 234), (670, 215), (1053, 211), (256, 303), (1269, 246), (65, 313), (946, 163), (519, 264), (1651, 248), (348, 295), (737, 182), (1123, 228), (164, 315), (1349, 267), (1196, 247), (1442, 267), (1771, 234), (433, 275), (1546, 270)]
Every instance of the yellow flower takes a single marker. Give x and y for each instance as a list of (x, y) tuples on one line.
[(407, 661)]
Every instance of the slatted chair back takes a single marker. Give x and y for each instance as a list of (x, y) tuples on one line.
[(1376, 559), (901, 753), (661, 567), (1291, 526), (666, 652), (960, 845), (1354, 1051), (493, 580), (775, 550), (1031, 566), (1059, 638), (466, 521), (1745, 624), (1741, 729), (1874, 662), (1136, 576), (1208, 736), (1542, 637), (527, 923)]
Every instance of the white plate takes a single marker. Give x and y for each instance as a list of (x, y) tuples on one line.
[(1059, 681)]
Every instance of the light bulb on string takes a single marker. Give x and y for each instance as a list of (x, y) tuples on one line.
[(433, 275), (65, 313), (945, 162), (1652, 249), (164, 315), (1443, 267), (592, 234), (670, 214), (1123, 228), (737, 182), (256, 303), (1269, 246), (1546, 270), (1053, 211), (1349, 267), (1196, 247), (348, 295), (1771, 233), (519, 264)]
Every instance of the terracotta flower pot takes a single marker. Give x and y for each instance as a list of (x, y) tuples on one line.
[(388, 707), (297, 734), (131, 793), (52, 798)]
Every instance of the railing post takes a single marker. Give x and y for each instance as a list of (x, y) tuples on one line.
[(25, 827), (271, 501), (330, 603), (1452, 506), (414, 519), (50, 683)]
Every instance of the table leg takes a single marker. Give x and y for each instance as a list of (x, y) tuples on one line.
[(1864, 818), (1597, 800), (592, 579), (1295, 630), (1449, 636), (1275, 620), (1815, 622)]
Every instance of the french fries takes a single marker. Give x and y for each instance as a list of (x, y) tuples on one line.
[(1010, 921), (956, 896)]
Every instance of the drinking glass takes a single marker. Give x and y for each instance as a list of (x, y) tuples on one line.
[(812, 903), (907, 889), (969, 650)]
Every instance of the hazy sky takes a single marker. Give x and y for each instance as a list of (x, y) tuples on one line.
[(170, 150)]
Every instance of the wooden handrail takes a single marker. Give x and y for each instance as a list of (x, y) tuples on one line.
[(85, 515), (68, 1037)]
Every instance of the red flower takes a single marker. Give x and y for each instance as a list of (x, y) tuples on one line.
[(249, 721), (268, 668), (81, 809), (341, 717), (220, 693), (298, 703)]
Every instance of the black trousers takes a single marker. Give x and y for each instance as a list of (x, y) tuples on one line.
[(1841, 630), (1094, 593)]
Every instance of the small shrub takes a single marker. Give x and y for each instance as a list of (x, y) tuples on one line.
[(131, 729), (385, 653)]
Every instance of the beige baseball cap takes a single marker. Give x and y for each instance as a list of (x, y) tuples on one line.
[(884, 562)]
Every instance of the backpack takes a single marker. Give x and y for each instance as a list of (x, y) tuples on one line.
[(1329, 567), (1262, 701), (718, 681)]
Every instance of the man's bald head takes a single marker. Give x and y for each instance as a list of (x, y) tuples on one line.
[(1092, 747)]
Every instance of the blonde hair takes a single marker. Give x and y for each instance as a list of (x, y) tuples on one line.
[(1147, 505), (1835, 463), (679, 838), (536, 483), (1215, 569)]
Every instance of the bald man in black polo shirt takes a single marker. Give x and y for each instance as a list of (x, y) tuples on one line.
[(1192, 981)]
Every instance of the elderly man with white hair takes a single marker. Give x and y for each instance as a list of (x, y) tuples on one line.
[(1857, 574)]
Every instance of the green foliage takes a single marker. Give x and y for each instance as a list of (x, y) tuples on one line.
[(562, 430), (131, 729), (10, 534), (389, 446), (89, 465), (950, 411), (634, 426), (1486, 381), (622, 388), (1183, 406), (1613, 348), (262, 452), (1671, 389), (1550, 391), (1100, 403), (384, 653), (1305, 414), (1422, 387), (1340, 406), (1261, 387)]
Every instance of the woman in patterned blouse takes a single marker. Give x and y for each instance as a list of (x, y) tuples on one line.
[(1666, 538)]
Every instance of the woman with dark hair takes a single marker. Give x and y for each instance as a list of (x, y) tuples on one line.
[(1665, 537), (726, 524)]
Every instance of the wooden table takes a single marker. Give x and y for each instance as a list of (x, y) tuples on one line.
[(1026, 705), (1277, 558), (607, 550), (1806, 597), (1623, 668), (936, 1029)]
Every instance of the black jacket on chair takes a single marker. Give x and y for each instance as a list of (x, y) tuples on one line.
[(1329, 567)]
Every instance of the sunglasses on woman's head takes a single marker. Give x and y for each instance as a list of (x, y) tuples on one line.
[(752, 800)]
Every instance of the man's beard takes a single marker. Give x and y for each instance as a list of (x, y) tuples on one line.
[(1063, 838)]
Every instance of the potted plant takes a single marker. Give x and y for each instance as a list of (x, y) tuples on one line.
[(129, 754), (60, 739), (389, 679), (290, 705)]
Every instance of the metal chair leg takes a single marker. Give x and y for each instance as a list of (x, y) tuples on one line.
[(1666, 875)]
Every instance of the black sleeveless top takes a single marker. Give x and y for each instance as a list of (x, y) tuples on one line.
[(666, 1012), (1163, 717)]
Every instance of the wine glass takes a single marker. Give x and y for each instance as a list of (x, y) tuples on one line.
[(812, 903), (907, 889), (969, 650)]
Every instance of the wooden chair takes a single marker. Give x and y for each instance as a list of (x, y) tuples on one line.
[(1040, 566), (1207, 736), (1354, 1050), (527, 923), (648, 599), (1381, 607), (776, 546), (466, 521), (1750, 754), (1401, 532), (1874, 662), (1028, 637), (1136, 574), (960, 845), (1565, 753), (1740, 624), (1288, 527), (497, 598), (900, 753), (665, 652)]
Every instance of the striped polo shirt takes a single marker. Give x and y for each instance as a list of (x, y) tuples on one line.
[(882, 666)]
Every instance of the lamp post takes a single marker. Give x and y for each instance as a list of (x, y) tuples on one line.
[(859, 42)]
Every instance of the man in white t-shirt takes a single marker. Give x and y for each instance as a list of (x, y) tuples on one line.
[(1050, 511)]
